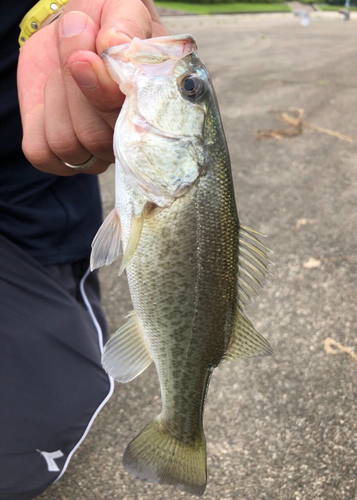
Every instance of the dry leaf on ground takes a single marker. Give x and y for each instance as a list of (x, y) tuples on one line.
[(311, 263)]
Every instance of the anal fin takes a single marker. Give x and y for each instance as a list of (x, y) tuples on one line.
[(125, 355), (245, 341)]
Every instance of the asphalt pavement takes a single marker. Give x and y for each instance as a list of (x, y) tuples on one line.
[(283, 427)]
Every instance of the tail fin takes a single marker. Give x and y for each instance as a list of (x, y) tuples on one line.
[(157, 457)]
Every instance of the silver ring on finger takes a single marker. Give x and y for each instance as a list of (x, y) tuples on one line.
[(82, 166)]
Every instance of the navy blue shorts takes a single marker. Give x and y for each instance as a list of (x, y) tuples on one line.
[(52, 384)]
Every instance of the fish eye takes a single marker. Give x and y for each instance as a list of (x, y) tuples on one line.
[(192, 86)]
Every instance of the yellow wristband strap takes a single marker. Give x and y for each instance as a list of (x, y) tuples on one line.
[(42, 13)]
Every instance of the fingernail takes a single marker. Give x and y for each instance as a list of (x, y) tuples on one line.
[(112, 37), (121, 38), (84, 74), (73, 23)]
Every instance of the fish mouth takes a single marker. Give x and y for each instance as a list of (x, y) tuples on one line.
[(153, 50), (153, 56)]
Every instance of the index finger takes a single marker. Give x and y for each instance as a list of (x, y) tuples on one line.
[(123, 19)]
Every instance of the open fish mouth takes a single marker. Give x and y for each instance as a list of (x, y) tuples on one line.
[(153, 50), (152, 57)]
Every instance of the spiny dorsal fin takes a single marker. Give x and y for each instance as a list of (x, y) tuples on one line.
[(252, 265), (125, 354), (245, 341), (106, 245)]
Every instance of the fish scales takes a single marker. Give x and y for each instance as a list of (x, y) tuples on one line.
[(176, 220), (179, 319)]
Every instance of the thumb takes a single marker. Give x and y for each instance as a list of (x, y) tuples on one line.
[(122, 20)]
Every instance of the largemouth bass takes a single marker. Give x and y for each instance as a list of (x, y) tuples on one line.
[(191, 265)]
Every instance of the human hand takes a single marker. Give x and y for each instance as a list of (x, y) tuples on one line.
[(68, 102)]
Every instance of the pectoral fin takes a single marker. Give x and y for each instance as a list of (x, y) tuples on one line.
[(246, 342), (106, 245), (136, 227), (125, 355)]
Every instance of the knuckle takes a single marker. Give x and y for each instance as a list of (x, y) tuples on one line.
[(134, 19), (95, 140), (63, 146), (139, 29), (111, 105), (65, 62), (39, 157), (53, 77)]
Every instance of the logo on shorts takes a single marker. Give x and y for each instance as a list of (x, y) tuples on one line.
[(50, 457)]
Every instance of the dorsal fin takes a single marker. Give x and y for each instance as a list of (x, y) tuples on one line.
[(253, 265)]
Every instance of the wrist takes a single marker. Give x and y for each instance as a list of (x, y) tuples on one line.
[(42, 13)]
